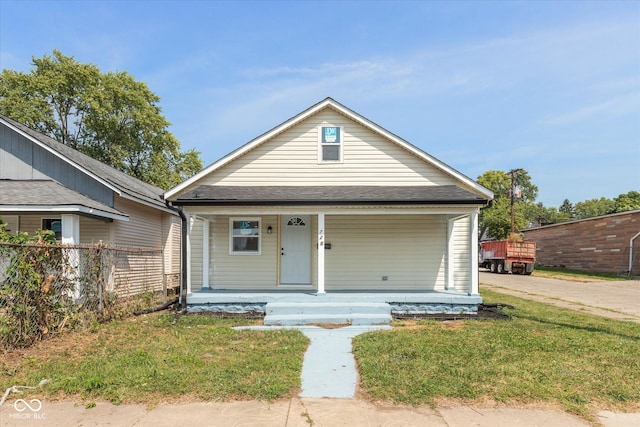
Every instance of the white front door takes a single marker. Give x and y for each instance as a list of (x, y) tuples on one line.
[(295, 250)]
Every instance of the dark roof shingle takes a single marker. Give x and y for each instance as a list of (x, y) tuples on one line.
[(289, 195)]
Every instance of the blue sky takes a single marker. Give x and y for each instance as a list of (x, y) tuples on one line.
[(549, 86)]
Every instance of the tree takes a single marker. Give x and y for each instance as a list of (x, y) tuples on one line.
[(567, 208), (594, 207), (108, 116), (495, 220), (627, 202)]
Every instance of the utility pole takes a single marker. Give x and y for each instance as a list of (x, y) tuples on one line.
[(513, 173)]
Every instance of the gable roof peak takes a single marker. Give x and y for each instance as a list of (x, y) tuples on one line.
[(328, 102)]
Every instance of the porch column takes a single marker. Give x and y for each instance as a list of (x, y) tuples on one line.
[(473, 250), (321, 254), (188, 246), (70, 229), (449, 280), (205, 253)]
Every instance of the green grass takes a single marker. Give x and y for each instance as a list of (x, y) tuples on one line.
[(149, 359), (543, 354), (574, 274)]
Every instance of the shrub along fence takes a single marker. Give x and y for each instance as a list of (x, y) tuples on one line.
[(47, 287)]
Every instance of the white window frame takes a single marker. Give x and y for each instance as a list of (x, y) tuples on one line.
[(321, 144), (259, 236)]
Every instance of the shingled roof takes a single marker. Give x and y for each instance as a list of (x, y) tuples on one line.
[(36, 195), (119, 181), (322, 195)]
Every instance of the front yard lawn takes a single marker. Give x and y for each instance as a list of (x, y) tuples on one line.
[(543, 354), (150, 359)]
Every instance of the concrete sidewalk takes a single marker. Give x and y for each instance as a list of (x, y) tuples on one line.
[(298, 412)]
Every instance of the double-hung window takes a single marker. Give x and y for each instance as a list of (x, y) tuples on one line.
[(244, 236), (330, 145)]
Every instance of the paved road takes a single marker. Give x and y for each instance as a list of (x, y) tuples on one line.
[(614, 299)]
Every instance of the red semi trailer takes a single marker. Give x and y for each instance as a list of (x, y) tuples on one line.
[(503, 256)]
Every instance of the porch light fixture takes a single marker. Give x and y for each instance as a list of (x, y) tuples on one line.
[(269, 229)]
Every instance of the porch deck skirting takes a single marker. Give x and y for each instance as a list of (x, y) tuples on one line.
[(418, 302)]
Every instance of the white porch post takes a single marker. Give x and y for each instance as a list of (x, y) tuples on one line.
[(321, 253), (205, 253), (450, 279), (473, 250), (70, 229), (188, 243)]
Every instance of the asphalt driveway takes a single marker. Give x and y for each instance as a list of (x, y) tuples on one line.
[(615, 299)]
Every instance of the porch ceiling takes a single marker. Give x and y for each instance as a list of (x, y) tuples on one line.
[(333, 195)]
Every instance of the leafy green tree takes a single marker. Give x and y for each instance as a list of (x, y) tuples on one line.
[(594, 207), (567, 209), (495, 220), (627, 202), (108, 116)]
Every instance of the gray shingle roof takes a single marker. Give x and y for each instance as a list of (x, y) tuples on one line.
[(290, 195), (124, 183), (26, 195)]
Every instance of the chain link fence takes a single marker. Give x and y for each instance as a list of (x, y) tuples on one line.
[(47, 288)]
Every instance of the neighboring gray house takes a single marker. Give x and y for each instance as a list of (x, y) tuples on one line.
[(47, 185), (329, 203)]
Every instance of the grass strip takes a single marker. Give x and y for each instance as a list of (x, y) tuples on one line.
[(150, 359), (543, 354)]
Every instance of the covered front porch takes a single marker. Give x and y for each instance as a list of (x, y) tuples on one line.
[(368, 250)]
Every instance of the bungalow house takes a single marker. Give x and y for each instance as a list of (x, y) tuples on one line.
[(329, 209), (47, 185)]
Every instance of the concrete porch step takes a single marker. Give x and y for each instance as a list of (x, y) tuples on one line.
[(328, 307), (354, 313), (309, 319)]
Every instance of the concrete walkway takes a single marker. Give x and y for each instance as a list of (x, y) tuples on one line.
[(329, 368)]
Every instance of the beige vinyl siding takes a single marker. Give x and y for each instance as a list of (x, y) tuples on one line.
[(243, 271), (196, 229), (171, 231), (291, 158), (142, 271), (461, 254), (31, 223), (138, 272), (407, 249), (144, 228), (94, 231)]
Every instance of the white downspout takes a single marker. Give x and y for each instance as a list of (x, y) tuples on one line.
[(631, 253)]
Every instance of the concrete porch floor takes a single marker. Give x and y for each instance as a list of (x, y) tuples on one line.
[(337, 307), (224, 296)]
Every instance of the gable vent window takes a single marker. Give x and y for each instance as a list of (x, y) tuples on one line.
[(330, 144)]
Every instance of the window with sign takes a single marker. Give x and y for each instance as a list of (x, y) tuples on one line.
[(330, 144), (54, 225), (244, 236)]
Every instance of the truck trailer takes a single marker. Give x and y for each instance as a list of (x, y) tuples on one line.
[(504, 256)]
